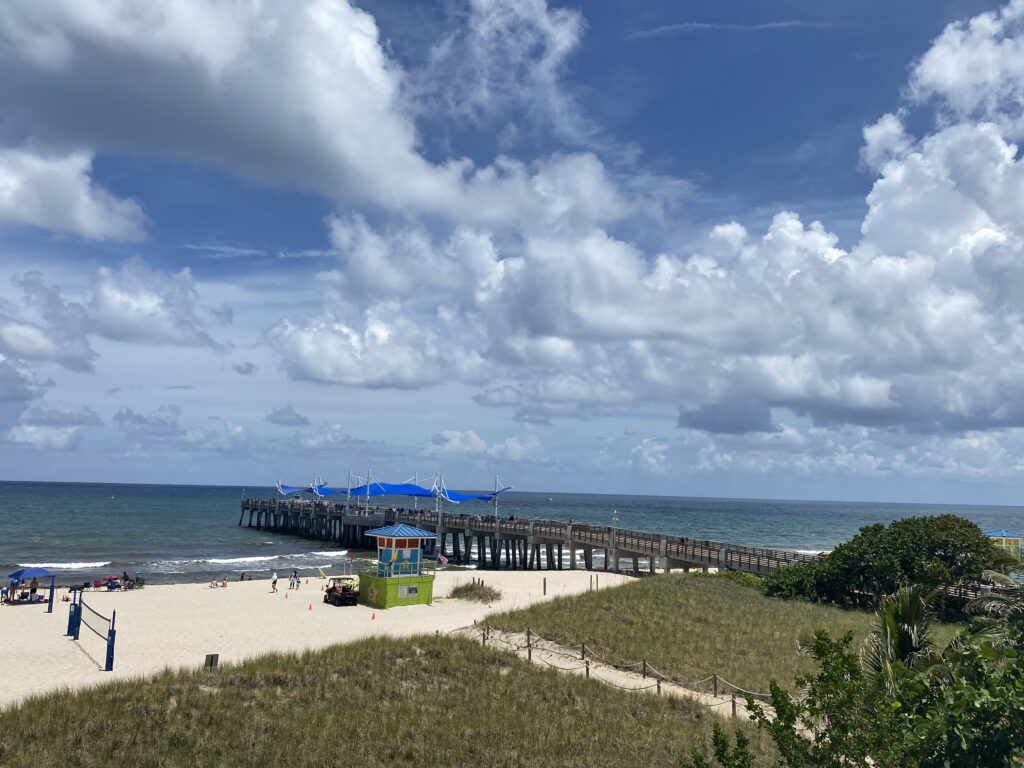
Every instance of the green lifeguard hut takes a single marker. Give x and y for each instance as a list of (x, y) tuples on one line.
[(1011, 541), (401, 576)]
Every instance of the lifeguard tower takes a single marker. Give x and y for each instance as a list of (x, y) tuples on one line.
[(1011, 541), (400, 577)]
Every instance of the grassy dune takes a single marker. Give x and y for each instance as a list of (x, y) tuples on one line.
[(475, 590), (427, 701), (691, 626)]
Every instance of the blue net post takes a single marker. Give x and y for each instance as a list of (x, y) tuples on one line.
[(77, 629), (71, 615), (49, 603), (111, 636)]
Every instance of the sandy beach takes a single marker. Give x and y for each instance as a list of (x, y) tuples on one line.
[(176, 625)]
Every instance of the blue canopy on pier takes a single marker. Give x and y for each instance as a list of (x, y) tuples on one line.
[(388, 489), (401, 531), (1002, 533), (288, 490), (457, 496), (375, 489), (323, 490)]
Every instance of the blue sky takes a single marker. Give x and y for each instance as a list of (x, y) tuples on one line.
[(739, 249)]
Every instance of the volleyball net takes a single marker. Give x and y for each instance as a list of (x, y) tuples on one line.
[(96, 624)]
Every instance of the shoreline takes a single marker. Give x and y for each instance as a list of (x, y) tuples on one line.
[(177, 625)]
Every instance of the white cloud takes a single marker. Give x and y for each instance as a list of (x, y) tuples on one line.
[(976, 67), (386, 349), (509, 55), (650, 456), (53, 428), (140, 304), (287, 417), (45, 438), (469, 443), (55, 192)]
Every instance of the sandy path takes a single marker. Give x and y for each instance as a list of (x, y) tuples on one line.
[(177, 625), (551, 655)]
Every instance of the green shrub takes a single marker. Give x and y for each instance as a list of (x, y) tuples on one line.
[(931, 552), (475, 590)]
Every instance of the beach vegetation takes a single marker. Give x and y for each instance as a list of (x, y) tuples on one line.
[(475, 590), (932, 552), (900, 702), (424, 701), (690, 626)]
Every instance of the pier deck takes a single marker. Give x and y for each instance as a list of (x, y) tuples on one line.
[(515, 542)]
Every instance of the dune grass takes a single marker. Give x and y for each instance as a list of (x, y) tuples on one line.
[(691, 626), (424, 701), (475, 590)]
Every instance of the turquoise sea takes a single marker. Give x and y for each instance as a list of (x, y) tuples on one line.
[(191, 533)]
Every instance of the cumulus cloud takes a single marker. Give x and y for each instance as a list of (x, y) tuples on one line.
[(161, 425), (300, 94), (650, 456), (384, 349), (52, 428), (140, 304), (245, 368), (287, 417), (56, 192), (469, 443), (975, 68)]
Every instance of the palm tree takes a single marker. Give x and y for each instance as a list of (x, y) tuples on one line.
[(902, 634), (1006, 604)]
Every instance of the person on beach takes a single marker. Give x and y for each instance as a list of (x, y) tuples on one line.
[(33, 587), (223, 582), (273, 582)]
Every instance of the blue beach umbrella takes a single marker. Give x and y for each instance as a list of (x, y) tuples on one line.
[(36, 573)]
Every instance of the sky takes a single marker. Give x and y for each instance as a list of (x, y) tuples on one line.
[(735, 248)]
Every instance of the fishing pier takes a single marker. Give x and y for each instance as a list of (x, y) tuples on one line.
[(491, 542)]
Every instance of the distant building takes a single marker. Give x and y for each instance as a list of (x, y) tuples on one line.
[(1011, 541)]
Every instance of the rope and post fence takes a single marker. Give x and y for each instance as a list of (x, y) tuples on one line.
[(720, 687)]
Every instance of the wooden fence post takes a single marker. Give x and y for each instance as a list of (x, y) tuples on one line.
[(583, 651), (545, 585), (529, 646), (714, 684), (659, 686), (588, 668), (643, 668), (734, 705)]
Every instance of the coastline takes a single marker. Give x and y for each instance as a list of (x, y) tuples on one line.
[(176, 625)]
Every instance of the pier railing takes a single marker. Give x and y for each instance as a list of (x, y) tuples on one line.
[(346, 523)]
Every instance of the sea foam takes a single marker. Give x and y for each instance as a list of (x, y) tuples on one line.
[(65, 566)]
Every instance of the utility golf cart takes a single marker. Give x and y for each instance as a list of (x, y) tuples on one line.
[(342, 590)]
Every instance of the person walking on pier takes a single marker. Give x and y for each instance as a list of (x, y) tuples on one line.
[(273, 582)]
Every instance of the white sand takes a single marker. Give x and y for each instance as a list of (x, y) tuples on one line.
[(177, 625)]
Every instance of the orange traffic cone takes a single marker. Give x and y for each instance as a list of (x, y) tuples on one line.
[(285, 595), (307, 581), (310, 607), (373, 616)]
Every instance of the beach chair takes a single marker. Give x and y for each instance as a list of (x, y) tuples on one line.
[(85, 585)]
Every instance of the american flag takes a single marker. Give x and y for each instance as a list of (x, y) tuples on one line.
[(442, 559)]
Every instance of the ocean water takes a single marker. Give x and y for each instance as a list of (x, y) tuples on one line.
[(191, 533)]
